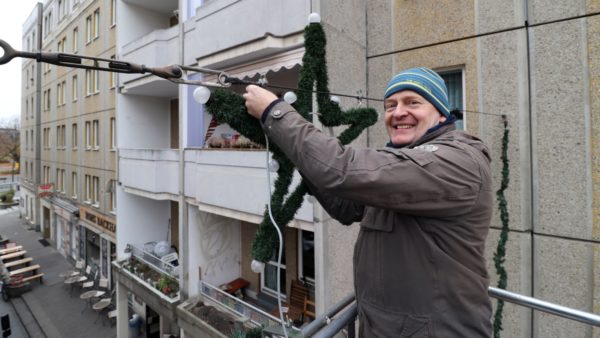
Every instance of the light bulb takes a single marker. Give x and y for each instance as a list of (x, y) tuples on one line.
[(273, 166), (201, 94), (314, 18), (290, 97), (335, 99), (257, 267)]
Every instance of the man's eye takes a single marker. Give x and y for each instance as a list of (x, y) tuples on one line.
[(390, 108)]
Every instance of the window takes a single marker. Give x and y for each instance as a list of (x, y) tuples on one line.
[(92, 79), (74, 88), (74, 135), (46, 140), (59, 47), (88, 29), (88, 82), (61, 94), (88, 188), (454, 82), (46, 175), (88, 135), (113, 12), (60, 137), (306, 254), (96, 134), (58, 94), (96, 23), (74, 185), (96, 191), (61, 9), (74, 43), (64, 44), (96, 75), (60, 180), (268, 279), (112, 77), (113, 195), (113, 136), (64, 93)]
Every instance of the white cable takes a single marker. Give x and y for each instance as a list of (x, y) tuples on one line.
[(283, 323)]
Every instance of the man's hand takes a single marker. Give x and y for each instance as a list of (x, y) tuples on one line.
[(257, 100)]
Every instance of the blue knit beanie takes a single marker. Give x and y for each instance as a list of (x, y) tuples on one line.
[(426, 83)]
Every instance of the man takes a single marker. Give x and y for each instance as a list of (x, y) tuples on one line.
[(424, 203)]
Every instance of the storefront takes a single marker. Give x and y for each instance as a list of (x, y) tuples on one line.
[(97, 241), (66, 216)]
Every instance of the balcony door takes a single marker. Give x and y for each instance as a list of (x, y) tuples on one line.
[(268, 279)]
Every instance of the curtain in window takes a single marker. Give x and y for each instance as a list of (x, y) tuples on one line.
[(454, 84)]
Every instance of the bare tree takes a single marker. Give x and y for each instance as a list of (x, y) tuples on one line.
[(10, 148)]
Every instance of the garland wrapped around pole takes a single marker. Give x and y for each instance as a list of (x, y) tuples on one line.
[(500, 254), (228, 107)]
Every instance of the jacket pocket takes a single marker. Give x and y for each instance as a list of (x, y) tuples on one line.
[(377, 322)]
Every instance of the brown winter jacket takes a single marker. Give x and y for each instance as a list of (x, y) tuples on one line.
[(424, 212)]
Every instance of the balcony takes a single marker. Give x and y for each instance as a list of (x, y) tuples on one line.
[(215, 313), (158, 48), (255, 37), (152, 173), (233, 180), (154, 280)]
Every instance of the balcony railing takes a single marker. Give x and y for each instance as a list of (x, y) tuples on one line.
[(240, 308), (148, 257), (154, 278), (345, 313)]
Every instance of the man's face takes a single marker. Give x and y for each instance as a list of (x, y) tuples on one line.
[(408, 116)]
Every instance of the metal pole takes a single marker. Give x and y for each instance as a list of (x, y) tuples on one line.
[(559, 310), (322, 320), (338, 324)]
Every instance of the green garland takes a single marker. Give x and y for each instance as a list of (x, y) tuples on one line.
[(499, 255), (228, 107)]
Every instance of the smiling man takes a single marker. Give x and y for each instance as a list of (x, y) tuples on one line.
[(424, 204)]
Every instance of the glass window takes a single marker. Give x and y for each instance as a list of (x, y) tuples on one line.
[(454, 83)]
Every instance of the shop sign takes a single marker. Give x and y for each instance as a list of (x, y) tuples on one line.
[(99, 220), (45, 189)]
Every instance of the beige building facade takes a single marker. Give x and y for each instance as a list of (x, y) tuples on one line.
[(74, 134)]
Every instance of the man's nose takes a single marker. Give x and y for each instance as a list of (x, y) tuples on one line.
[(400, 111)]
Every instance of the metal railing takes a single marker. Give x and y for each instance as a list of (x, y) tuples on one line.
[(148, 257), (239, 307), (345, 313)]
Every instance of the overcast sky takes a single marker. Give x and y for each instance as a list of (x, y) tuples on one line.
[(12, 16)]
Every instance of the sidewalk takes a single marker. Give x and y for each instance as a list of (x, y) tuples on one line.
[(48, 310)]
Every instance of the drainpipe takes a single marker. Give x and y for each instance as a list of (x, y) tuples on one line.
[(183, 208)]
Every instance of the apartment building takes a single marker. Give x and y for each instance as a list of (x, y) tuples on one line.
[(30, 117), (71, 120)]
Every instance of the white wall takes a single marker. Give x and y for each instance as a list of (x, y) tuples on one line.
[(143, 122), (140, 220), (193, 119), (137, 22), (215, 247)]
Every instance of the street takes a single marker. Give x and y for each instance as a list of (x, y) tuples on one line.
[(49, 309)]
